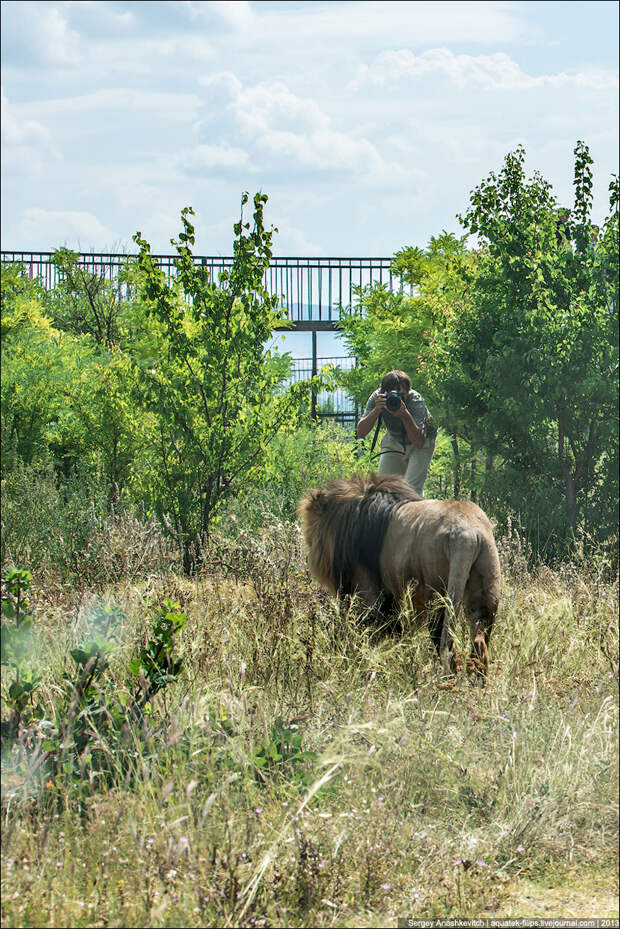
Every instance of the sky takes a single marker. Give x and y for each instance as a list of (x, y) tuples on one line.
[(367, 124)]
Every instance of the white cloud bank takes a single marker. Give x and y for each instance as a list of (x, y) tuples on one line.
[(366, 123), (497, 71), (76, 228), (17, 130), (288, 132)]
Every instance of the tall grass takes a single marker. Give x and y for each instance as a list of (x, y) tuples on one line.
[(398, 796)]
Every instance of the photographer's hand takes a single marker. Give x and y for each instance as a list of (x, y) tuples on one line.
[(380, 403), (366, 423)]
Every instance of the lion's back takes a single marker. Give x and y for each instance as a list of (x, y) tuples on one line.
[(423, 535)]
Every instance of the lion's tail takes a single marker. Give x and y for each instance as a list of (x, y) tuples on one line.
[(469, 551), (488, 567), (471, 556), (463, 552)]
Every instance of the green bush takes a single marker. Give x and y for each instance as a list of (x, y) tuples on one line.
[(72, 529), (313, 454), (99, 726)]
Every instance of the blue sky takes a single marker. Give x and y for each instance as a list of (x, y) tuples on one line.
[(366, 124)]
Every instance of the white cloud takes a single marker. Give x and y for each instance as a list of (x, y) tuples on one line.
[(145, 54), (234, 14), (119, 98), (366, 123), (416, 22), (102, 14), (265, 106), (52, 228), (323, 149), (17, 130), (41, 33), (292, 132), (208, 157), (27, 145), (227, 83), (293, 240), (58, 41), (100, 39), (497, 71)]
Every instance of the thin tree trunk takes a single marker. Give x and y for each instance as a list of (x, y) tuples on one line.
[(571, 499), (472, 477), (457, 467)]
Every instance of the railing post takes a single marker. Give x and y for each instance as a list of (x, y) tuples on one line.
[(314, 372)]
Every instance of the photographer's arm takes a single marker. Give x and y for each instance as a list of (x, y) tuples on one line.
[(416, 436), (366, 423)]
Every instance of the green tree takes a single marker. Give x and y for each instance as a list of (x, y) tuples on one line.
[(17, 287), (66, 398), (39, 367), (211, 391), (85, 302), (394, 329), (533, 359)]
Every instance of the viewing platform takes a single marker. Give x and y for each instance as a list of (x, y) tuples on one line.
[(313, 289)]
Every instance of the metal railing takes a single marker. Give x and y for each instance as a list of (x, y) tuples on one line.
[(328, 404), (313, 289)]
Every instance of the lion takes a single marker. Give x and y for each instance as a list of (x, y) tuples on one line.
[(375, 537)]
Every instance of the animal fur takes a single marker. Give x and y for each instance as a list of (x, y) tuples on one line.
[(375, 537)]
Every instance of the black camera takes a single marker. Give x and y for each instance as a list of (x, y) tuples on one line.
[(393, 400)]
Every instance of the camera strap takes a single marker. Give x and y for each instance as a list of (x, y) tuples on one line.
[(374, 441)]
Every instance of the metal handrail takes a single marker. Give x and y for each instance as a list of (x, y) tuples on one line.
[(314, 289), (115, 257)]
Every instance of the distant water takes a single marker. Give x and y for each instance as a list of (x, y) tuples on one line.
[(299, 344), (329, 345)]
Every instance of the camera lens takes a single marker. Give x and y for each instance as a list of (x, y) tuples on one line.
[(393, 400)]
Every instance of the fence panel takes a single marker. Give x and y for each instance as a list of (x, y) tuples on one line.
[(313, 289)]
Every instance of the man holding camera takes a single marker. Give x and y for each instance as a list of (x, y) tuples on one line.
[(409, 441)]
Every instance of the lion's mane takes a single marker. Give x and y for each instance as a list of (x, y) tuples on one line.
[(346, 522)]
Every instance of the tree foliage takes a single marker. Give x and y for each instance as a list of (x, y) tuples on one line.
[(513, 344), (84, 301), (538, 371), (211, 390), (164, 391)]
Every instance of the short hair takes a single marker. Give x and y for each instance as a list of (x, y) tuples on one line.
[(393, 380)]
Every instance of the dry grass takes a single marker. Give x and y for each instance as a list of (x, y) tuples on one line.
[(420, 799)]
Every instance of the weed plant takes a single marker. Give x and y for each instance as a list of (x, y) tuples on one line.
[(75, 533)]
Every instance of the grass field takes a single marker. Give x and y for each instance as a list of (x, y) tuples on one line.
[(305, 771)]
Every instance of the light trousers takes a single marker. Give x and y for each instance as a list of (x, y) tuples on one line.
[(410, 462)]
